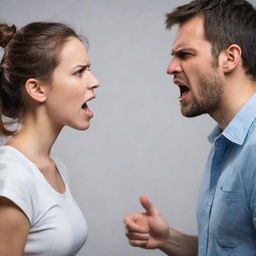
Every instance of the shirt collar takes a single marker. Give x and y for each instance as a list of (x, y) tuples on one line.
[(237, 129)]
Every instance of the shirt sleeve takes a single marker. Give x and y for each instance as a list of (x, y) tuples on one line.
[(16, 185)]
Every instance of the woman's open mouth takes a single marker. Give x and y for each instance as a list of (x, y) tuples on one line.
[(88, 112)]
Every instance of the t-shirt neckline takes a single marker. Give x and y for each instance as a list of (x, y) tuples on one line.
[(18, 152)]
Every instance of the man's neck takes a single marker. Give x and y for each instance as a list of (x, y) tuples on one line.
[(233, 100)]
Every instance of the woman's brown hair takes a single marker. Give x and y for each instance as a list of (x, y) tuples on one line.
[(31, 52)]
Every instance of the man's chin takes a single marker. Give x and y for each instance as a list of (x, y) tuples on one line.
[(192, 112)]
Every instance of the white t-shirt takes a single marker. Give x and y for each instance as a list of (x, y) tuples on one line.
[(57, 226)]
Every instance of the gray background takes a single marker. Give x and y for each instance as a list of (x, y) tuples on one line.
[(138, 142)]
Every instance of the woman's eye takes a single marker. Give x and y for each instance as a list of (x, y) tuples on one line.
[(79, 72)]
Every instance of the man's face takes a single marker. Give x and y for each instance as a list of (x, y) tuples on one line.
[(192, 65)]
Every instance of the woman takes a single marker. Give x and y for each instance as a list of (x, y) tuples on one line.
[(45, 84)]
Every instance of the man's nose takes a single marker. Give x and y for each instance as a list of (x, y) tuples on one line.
[(174, 67)]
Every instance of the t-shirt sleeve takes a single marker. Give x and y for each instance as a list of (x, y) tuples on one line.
[(16, 185)]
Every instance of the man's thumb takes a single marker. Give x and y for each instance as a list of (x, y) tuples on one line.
[(148, 206)]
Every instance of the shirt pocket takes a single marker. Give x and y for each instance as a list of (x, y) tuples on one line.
[(226, 218), (230, 196)]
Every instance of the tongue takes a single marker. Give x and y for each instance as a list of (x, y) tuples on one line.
[(184, 93), (88, 112)]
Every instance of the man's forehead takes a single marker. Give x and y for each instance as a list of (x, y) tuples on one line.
[(189, 33), (179, 44)]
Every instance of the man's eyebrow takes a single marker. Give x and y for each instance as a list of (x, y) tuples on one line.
[(181, 50)]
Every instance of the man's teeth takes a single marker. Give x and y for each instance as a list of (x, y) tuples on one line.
[(183, 90)]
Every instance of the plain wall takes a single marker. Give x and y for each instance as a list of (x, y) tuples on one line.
[(138, 142)]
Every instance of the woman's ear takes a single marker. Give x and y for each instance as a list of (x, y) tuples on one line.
[(231, 58), (36, 90)]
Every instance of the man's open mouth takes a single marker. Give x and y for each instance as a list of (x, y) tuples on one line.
[(183, 89)]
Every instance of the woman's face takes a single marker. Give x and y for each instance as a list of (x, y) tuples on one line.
[(71, 88)]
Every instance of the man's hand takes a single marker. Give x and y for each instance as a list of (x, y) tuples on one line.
[(148, 230)]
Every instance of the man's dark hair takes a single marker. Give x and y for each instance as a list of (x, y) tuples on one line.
[(226, 22)]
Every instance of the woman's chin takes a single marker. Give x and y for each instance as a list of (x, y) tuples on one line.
[(81, 127)]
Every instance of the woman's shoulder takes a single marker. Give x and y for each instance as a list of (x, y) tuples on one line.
[(7, 152), (14, 167), (12, 162), (16, 183)]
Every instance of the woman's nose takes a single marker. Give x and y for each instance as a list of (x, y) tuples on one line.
[(94, 83)]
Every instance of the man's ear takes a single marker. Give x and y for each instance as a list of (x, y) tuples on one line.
[(36, 90), (231, 57)]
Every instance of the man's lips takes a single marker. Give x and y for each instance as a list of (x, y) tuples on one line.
[(184, 89)]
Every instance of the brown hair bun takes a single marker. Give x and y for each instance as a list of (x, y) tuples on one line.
[(6, 34)]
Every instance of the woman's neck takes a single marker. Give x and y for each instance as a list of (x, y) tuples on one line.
[(35, 138)]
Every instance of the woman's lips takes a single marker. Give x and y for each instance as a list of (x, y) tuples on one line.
[(88, 112)]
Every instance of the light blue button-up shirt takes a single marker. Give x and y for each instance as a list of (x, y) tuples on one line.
[(226, 211)]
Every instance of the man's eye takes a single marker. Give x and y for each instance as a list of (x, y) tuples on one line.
[(184, 55)]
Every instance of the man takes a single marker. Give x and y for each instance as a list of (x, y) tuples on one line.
[(214, 66)]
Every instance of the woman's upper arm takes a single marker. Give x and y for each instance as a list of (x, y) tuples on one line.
[(14, 228)]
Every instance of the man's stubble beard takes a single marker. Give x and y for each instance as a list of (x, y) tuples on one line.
[(210, 94)]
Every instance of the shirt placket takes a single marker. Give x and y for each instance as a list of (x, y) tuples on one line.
[(220, 147)]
